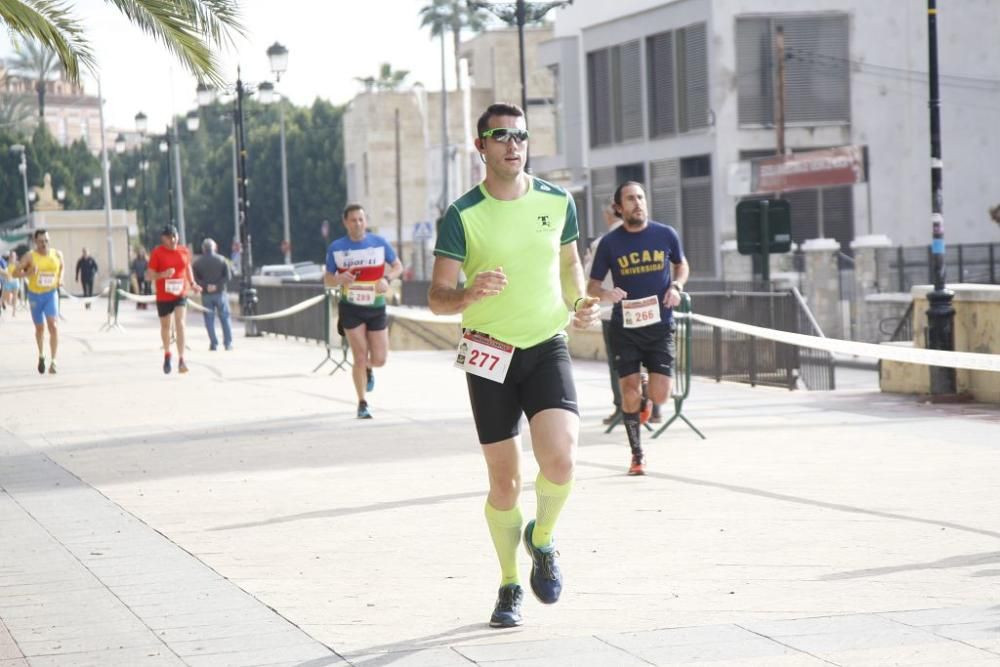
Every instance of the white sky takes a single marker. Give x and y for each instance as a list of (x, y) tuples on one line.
[(329, 43)]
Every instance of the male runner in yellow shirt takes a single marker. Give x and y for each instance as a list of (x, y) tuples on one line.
[(514, 237), (44, 268)]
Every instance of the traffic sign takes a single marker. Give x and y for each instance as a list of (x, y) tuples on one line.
[(423, 231), (753, 216)]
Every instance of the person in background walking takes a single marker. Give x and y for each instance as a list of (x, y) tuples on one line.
[(86, 269), (212, 272)]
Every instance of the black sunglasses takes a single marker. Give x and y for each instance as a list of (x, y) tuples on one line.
[(505, 134)]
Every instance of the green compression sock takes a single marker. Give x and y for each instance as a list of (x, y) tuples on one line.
[(505, 529), (551, 498)]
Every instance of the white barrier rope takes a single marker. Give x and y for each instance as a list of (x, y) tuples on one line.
[(966, 360), (84, 299), (138, 298), (291, 310)]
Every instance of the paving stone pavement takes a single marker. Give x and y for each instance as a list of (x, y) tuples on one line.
[(241, 515)]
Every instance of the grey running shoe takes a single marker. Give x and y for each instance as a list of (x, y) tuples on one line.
[(507, 612), (363, 410)]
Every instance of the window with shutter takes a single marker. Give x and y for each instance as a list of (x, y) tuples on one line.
[(629, 102), (692, 74), (599, 94), (817, 87), (817, 78), (838, 216), (665, 192), (697, 230), (660, 63), (754, 68), (805, 214)]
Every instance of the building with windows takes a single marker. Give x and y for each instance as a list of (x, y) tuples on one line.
[(490, 60), (681, 94)]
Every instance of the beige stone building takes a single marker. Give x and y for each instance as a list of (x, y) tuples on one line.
[(70, 112), (491, 60)]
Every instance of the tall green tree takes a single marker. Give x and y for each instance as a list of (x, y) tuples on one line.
[(190, 29), (455, 16), (38, 62)]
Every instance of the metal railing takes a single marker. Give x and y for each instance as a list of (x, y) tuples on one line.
[(726, 355), (309, 324), (964, 263)]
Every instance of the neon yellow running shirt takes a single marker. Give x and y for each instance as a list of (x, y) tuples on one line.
[(523, 236), (46, 278)]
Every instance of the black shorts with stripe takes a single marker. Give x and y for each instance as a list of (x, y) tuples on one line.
[(350, 316), (651, 346), (539, 378)]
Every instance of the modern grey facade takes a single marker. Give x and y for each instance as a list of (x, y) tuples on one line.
[(675, 94)]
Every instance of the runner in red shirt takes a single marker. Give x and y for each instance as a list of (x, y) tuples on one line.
[(170, 268)]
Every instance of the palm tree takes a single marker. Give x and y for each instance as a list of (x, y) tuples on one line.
[(387, 79), (36, 61), (15, 109), (455, 16), (188, 28)]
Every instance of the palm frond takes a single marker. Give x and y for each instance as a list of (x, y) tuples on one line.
[(50, 23), (187, 28)]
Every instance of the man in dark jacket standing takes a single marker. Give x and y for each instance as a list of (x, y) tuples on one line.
[(86, 269), (212, 272)]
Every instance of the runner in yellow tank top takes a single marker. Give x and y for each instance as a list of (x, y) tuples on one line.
[(44, 269)]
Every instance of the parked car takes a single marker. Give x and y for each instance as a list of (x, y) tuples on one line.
[(275, 274)]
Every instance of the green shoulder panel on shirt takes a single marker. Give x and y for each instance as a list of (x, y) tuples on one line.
[(451, 234)]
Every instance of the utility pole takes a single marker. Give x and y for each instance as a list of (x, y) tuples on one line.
[(399, 195), (444, 131), (180, 188), (779, 116), (940, 314)]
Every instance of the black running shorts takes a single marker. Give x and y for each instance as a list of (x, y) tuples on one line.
[(539, 378), (165, 308), (351, 316), (651, 346)]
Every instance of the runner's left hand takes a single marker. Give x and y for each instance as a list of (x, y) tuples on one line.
[(672, 298), (587, 312), (382, 286)]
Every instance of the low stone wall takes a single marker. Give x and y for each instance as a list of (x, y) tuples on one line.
[(977, 329), (412, 334)]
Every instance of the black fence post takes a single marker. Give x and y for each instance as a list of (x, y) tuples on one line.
[(901, 269), (993, 269), (753, 361), (961, 265), (717, 352)]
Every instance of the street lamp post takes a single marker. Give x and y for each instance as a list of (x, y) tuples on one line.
[(278, 57), (22, 167), (165, 148), (519, 13), (248, 295), (940, 313)]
